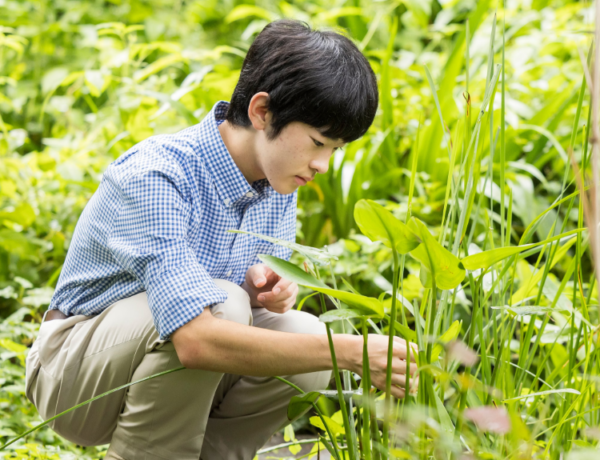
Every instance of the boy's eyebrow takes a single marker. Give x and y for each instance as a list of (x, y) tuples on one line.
[(340, 142)]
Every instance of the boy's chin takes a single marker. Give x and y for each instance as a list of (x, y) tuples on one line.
[(284, 187)]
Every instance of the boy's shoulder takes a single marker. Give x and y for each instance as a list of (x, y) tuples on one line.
[(181, 156)]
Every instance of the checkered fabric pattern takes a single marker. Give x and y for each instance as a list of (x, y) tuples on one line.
[(158, 223)]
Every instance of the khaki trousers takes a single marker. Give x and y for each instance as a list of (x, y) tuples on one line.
[(189, 414)]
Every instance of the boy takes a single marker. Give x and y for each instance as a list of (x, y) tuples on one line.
[(150, 253)]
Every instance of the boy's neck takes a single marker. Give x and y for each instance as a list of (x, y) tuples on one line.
[(240, 143)]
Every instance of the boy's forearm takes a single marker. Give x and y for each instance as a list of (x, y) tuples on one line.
[(218, 345)]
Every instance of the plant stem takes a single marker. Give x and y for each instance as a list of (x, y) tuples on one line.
[(338, 384)]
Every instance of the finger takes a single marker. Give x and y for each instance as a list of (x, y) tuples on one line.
[(397, 392), (400, 380), (400, 349), (282, 295), (279, 308), (398, 366), (282, 285), (281, 305), (259, 277)]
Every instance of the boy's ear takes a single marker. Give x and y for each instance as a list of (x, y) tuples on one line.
[(258, 111)]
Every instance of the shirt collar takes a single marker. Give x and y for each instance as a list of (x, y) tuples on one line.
[(230, 183)]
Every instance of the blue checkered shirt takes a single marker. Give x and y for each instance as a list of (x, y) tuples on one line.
[(158, 223)]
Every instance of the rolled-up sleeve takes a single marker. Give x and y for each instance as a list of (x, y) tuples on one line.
[(149, 240)]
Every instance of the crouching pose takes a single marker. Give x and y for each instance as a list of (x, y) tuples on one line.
[(153, 281)]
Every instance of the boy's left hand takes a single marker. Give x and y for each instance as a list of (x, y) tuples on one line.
[(269, 290)]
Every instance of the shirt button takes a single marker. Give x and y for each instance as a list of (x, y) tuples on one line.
[(226, 201), (249, 194), (229, 273)]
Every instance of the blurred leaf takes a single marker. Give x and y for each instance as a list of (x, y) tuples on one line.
[(446, 337), (341, 314), (53, 78), (318, 256), (542, 393), (247, 11), (529, 310), (24, 215)]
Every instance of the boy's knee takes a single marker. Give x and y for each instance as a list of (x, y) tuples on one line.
[(300, 322), (237, 306)]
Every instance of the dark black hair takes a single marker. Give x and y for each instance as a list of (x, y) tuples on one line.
[(315, 77)]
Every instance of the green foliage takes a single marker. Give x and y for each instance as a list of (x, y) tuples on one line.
[(81, 82)]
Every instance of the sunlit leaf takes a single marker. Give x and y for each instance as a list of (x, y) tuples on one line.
[(334, 427), (379, 224), (435, 258)]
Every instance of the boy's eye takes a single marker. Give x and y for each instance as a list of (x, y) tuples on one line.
[(317, 143)]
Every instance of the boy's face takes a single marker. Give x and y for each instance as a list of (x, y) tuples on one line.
[(300, 151)]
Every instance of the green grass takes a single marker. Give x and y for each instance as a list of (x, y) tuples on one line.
[(459, 216)]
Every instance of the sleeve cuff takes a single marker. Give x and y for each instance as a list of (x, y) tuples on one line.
[(178, 296)]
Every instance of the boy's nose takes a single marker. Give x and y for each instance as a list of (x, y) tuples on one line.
[(320, 165)]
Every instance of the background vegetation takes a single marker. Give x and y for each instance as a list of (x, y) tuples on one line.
[(82, 81)]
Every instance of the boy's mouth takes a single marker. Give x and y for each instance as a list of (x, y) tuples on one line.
[(300, 180)]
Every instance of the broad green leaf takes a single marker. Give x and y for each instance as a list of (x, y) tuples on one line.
[(300, 405), (378, 224), (435, 258), (367, 305), (406, 332), (290, 271), (446, 337)]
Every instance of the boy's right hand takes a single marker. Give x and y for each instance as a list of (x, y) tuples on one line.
[(377, 350)]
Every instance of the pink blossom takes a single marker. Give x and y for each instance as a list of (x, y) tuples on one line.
[(459, 351), (489, 418)]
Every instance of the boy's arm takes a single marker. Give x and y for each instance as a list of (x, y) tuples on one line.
[(219, 345)]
